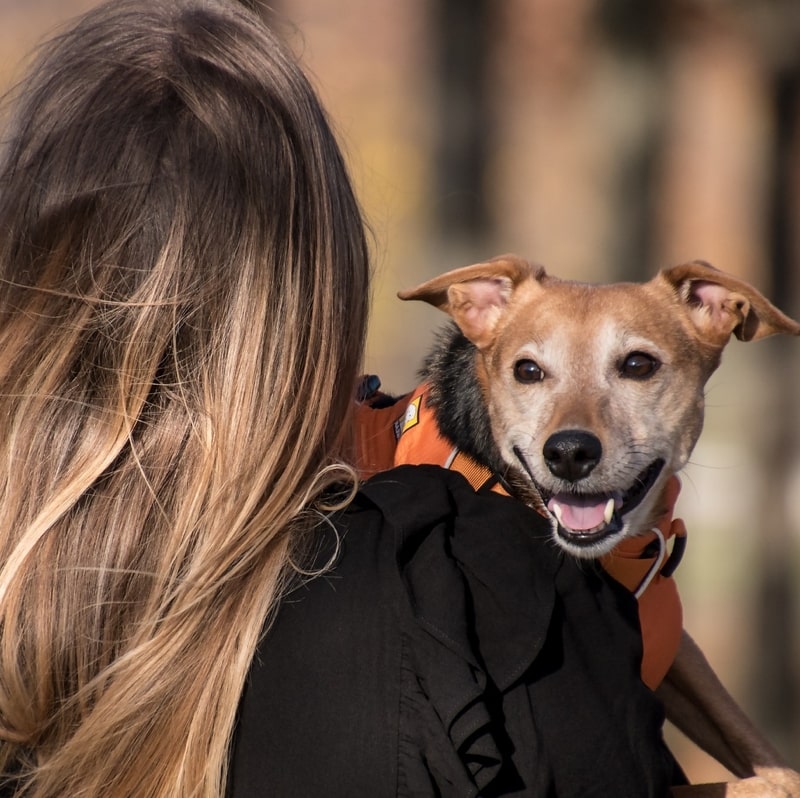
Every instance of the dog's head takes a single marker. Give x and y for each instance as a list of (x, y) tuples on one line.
[(595, 392)]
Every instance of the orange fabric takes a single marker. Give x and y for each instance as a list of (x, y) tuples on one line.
[(406, 432), (475, 473), (376, 436), (419, 440), (660, 609)]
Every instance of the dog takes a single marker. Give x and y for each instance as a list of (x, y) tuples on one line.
[(586, 400)]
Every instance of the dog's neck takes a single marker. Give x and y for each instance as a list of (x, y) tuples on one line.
[(456, 397), (460, 409)]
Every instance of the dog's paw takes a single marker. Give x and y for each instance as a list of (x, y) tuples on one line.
[(770, 782), (782, 782)]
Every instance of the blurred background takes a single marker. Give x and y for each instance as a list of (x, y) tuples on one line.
[(604, 139)]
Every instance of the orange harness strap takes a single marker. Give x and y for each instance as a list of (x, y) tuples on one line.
[(407, 433)]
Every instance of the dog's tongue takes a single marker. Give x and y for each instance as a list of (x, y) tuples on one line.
[(581, 514)]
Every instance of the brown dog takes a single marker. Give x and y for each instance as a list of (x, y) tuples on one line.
[(586, 399)]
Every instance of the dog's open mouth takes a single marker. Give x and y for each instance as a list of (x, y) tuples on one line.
[(584, 519)]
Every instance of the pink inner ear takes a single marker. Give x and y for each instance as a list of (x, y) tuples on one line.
[(716, 310), (476, 305), (488, 292), (707, 294)]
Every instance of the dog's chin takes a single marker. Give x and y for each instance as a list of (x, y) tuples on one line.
[(591, 525), (588, 546)]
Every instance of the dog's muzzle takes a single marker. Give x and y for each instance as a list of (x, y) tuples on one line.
[(583, 520)]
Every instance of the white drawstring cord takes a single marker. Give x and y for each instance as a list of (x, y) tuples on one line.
[(656, 566), (450, 458)]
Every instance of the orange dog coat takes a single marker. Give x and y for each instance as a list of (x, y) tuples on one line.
[(406, 433)]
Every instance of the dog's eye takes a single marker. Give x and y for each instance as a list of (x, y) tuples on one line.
[(639, 366), (528, 371)]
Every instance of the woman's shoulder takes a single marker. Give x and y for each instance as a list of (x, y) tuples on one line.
[(333, 679), (319, 712)]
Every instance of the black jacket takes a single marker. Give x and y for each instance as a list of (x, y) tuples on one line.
[(453, 651)]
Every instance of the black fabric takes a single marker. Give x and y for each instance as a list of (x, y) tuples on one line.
[(451, 651)]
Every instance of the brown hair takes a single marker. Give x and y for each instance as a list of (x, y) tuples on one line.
[(183, 290)]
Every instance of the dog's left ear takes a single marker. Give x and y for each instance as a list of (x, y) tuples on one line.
[(476, 296), (720, 305)]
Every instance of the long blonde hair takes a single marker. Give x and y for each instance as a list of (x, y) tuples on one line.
[(183, 291)]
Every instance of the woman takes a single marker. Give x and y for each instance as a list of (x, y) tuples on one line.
[(183, 286)]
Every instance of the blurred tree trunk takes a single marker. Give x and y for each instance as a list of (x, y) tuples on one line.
[(464, 122), (774, 669)]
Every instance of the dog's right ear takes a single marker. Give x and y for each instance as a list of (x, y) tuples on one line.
[(721, 305), (476, 296)]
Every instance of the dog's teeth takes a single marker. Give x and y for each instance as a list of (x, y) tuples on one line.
[(557, 512), (609, 513)]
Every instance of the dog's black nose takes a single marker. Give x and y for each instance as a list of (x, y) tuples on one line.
[(572, 454)]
